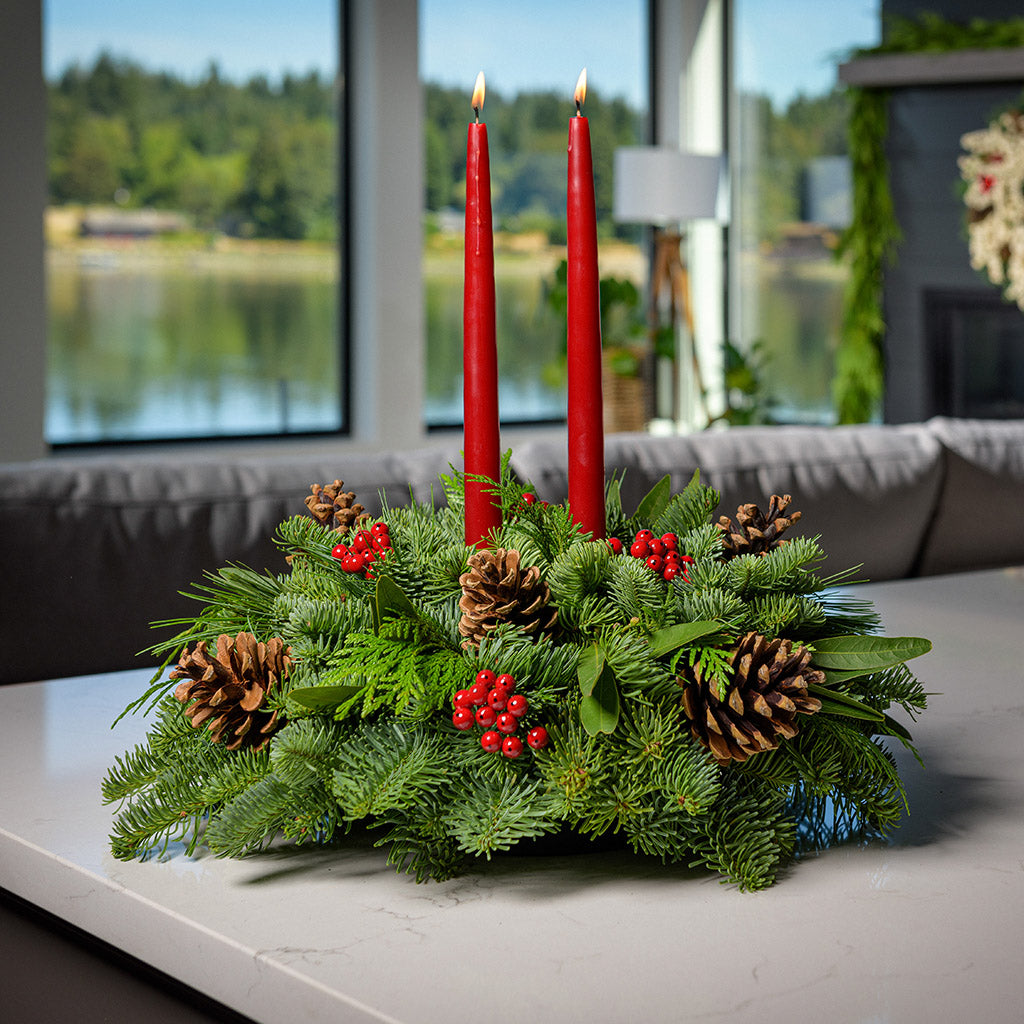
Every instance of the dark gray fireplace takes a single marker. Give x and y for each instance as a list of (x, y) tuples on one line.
[(975, 354)]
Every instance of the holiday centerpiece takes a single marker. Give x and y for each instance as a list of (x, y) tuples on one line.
[(993, 170), (473, 677)]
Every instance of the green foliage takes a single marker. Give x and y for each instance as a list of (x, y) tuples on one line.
[(247, 158), (367, 734)]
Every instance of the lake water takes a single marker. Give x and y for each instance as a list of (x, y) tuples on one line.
[(164, 351)]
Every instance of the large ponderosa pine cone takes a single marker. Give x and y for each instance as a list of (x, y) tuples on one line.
[(332, 506), (496, 590), (227, 691), (756, 533), (767, 691)]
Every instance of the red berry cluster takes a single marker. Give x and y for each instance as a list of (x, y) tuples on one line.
[(366, 548), (492, 704), (661, 554)]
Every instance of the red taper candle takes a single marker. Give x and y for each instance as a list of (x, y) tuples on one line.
[(479, 345), (586, 422)]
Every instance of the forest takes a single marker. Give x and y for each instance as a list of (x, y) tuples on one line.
[(260, 159)]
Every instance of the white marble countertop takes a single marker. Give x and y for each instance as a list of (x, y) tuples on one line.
[(929, 927)]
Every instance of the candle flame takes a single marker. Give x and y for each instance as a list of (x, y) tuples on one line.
[(478, 94), (581, 89)]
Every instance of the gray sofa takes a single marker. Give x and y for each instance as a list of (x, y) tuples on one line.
[(93, 549)]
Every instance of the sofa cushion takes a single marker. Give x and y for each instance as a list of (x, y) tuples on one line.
[(95, 549), (867, 490), (978, 523)]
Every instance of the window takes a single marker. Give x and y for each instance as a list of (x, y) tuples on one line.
[(531, 54), (193, 230), (791, 195)]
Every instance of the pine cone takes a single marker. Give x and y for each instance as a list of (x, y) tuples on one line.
[(227, 691), (767, 691), (331, 505), (496, 590), (757, 533)]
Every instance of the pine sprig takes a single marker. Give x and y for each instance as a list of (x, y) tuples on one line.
[(249, 821)]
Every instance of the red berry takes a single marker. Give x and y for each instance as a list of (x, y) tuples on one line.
[(518, 705), (657, 548), (644, 535), (491, 741), (485, 717), (352, 562), (640, 549), (462, 699), (537, 737), (462, 718), (485, 677), (512, 746), (529, 499), (507, 722), (671, 571), (506, 682), (381, 542), (616, 545), (655, 562), (478, 694), (379, 529), (673, 556), (339, 550), (670, 540), (498, 698), (686, 558), (368, 556), (364, 539)]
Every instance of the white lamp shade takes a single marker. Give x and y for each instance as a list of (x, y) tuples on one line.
[(661, 185)]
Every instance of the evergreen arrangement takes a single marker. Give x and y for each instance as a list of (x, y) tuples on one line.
[(693, 685)]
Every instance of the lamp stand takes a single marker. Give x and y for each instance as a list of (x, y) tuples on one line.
[(671, 273)]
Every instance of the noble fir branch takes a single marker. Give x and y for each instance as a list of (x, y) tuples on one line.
[(171, 739), (249, 821), (387, 766), (789, 615), (304, 752), (688, 510), (242, 770), (577, 572), (494, 816), (316, 628), (745, 835), (636, 592), (418, 841)]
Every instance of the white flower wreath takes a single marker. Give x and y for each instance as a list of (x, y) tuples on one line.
[(994, 171)]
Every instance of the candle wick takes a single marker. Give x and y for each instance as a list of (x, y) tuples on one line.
[(476, 114), (579, 112)]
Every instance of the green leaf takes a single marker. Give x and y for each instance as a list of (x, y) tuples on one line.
[(613, 497), (656, 500), (671, 637), (836, 703), (862, 654), (322, 698), (391, 602), (599, 711), (591, 665)]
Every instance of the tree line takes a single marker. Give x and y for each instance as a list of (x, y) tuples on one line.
[(260, 158)]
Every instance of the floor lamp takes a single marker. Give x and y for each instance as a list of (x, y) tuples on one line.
[(665, 188)]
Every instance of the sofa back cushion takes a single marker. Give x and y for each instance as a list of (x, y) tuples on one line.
[(979, 521), (95, 549), (868, 491)]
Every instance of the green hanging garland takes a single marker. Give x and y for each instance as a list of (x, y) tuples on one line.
[(873, 235)]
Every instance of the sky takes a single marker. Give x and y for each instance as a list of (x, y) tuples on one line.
[(783, 46)]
